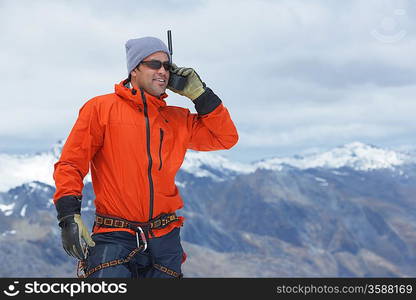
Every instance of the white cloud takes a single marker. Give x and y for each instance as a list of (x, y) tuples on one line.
[(290, 69)]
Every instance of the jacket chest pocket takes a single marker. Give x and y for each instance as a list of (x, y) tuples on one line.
[(161, 136), (163, 149), (167, 149)]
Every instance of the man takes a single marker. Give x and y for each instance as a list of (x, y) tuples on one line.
[(134, 144)]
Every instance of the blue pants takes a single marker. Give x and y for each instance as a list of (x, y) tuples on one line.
[(165, 250)]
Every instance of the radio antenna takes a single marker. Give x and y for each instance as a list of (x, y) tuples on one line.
[(170, 42)]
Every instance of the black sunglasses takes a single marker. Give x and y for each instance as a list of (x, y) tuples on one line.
[(157, 64)]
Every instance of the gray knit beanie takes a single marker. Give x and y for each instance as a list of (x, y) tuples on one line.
[(138, 49)]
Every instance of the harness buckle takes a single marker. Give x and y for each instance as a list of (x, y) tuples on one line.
[(156, 223), (142, 237)]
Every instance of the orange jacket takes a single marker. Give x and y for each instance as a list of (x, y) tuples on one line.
[(134, 146)]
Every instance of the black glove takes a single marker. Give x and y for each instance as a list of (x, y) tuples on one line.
[(73, 230), (72, 233), (194, 86)]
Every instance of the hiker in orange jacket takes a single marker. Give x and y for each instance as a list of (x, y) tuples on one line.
[(134, 144)]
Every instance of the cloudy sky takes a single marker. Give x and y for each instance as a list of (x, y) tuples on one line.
[(296, 76)]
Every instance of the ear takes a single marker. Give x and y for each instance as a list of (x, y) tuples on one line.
[(135, 71)]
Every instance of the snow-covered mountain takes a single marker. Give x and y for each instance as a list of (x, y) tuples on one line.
[(16, 170), (349, 211), (356, 155)]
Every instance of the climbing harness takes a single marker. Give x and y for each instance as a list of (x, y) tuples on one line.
[(142, 230)]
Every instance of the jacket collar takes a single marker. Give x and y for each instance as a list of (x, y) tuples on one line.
[(124, 91)]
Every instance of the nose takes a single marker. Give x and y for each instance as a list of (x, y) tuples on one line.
[(162, 71)]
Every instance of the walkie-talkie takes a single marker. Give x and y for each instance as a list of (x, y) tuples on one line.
[(175, 81)]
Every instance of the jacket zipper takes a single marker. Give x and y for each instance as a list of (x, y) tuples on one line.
[(149, 156), (160, 148)]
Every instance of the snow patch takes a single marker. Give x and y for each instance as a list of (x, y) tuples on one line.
[(202, 164), (180, 184), (8, 232), (7, 209), (339, 173), (322, 181), (23, 211)]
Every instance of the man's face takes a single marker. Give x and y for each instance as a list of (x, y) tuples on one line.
[(152, 81)]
